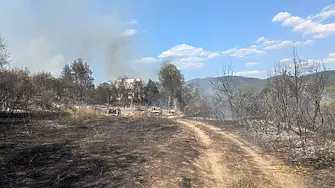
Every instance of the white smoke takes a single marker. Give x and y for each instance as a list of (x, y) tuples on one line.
[(46, 34)]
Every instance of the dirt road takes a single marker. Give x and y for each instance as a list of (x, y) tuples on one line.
[(228, 161)]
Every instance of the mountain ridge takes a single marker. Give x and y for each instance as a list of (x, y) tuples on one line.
[(205, 84)]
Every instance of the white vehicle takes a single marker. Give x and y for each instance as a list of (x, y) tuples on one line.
[(171, 112), (156, 111)]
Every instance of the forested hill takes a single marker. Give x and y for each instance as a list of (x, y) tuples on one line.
[(205, 86)]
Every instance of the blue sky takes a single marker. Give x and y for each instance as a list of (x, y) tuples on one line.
[(134, 37)]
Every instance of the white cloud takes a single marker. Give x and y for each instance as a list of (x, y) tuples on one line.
[(189, 63), (184, 55), (306, 25), (189, 66), (281, 16), (286, 60), (250, 73), (239, 52), (214, 54), (183, 50), (324, 14), (133, 21), (269, 42), (308, 42), (261, 39), (227, 52), (193, 59), (279, 45), (265, 41), (147, 60), (252, 50), (330, 58), (263, 45), (129, 32), (259, 49), (187, 57), (249, 64)]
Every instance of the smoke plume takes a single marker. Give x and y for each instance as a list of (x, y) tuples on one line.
[(46, 34)]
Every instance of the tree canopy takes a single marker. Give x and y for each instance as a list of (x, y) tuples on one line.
[(171, 77), (151, 92)]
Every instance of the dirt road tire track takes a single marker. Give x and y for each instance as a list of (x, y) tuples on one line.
[(217, 171), (208, 161)]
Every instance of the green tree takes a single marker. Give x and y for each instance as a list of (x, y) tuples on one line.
[(104, 92), (172, 80), (151, 92), (66, 72), (82, 76), (68, 81), (58, 87)]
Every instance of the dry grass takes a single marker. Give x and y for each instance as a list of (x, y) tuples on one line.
[(65, 110), (81, 115), (145, 113)]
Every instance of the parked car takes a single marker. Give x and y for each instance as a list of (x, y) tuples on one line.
[(114, 111)]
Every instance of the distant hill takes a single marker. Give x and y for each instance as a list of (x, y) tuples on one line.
[(331, 77), (205, 84)]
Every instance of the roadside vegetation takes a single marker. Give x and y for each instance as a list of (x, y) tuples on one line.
[(291, 117)]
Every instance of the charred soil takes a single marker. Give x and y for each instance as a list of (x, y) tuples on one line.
[(104, 152)]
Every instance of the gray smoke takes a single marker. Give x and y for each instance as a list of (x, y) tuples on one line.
[(46, 34)]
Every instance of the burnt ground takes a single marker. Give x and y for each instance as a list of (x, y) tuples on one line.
[(148, 152), (316, 164), (105, 152)]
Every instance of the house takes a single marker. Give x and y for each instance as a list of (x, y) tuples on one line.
[(132, 87)]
